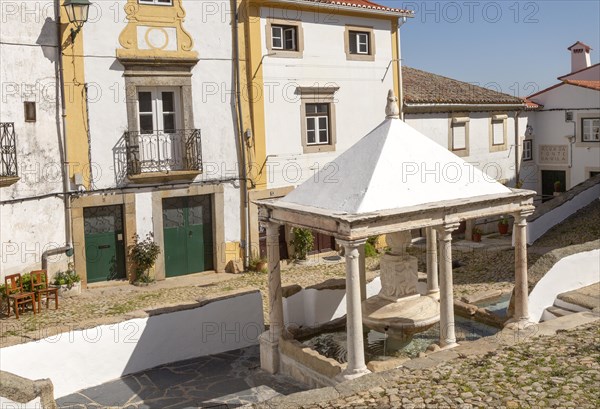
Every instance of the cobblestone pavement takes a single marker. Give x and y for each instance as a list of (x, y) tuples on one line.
[(561, 371), (226, 380)]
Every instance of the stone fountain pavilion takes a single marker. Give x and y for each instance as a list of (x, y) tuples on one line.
[(390, 182)]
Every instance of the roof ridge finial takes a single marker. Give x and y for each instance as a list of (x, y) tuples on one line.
[(391, 109)]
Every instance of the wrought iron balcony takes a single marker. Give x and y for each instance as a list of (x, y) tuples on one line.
[(163, 152), (8, 154)]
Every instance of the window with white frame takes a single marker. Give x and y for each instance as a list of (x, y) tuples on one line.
[(527, 149), (317, 124), (590, 130), (156, 2), (158, 109), (284, 38), (359, 42)]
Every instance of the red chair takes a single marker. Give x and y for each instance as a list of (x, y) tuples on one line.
[(14, 291), (39, 286)]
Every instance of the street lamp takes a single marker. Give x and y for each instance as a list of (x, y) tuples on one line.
[(77, 11)]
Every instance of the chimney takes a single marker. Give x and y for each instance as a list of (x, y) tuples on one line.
[(580, 56)]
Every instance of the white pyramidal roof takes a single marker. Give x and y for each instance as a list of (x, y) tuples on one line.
[(394, 166)]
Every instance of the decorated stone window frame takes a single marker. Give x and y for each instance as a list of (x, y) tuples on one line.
[(370, 56), (496, 117), (299, 38), (318, 95), (455, 120)]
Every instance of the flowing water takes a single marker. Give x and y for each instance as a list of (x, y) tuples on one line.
[(379, 347)]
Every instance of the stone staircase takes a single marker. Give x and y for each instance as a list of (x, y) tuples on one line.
[(571, 302)]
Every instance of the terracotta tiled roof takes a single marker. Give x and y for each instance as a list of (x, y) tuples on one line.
[(587, 47), (577, 72), (529, 104), (363, 4), (586, 84), (427, 88)]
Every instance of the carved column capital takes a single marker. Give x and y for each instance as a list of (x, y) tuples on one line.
[(446, 229), (522, 215), (351, 246)]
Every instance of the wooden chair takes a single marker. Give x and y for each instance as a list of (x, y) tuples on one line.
[(39, 285), (14, 291)]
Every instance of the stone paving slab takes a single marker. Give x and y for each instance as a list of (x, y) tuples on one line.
[(228, 380), (586, 297)]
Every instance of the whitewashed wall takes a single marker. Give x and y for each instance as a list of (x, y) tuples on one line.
[(28, 54), (497, 165), (551, 129), (359, 103), (209, 25), (545, 222), (81, 359), (570, 273)]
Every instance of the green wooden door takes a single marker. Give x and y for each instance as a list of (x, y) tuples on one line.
[(188, 244), (104, 245)]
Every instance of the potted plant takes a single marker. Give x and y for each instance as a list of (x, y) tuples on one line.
[(557, 188), (258, 264), (476, 235), (503, 225), (302, 242), (143, 254), (68, 282)]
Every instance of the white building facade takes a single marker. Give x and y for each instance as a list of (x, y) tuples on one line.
[(32, 208), (565, 129)]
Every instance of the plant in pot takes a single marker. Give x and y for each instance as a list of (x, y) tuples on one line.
[(503, 225), (258, 264), (557, 187), (68, 282), (143, 254), (476, 235), (302, 242)]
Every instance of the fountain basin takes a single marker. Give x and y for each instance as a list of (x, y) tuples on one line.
[(402, 318)]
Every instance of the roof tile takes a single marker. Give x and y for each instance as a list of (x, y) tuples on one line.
[(425, 87)]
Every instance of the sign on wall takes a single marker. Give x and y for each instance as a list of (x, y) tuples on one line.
[(553, 154)]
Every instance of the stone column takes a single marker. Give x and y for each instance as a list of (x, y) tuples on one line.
[(521, 302), (447, 334), (433, 289), (356, 354), (269, 340), (362, 268)]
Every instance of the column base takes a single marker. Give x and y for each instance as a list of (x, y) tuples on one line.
[(518, 323), (269, 353), (449, 345), (435, 294), (351, 374)]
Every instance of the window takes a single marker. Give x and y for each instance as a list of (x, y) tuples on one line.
[(527, 149), (498, 125), (156, 2), (283, 38), (317, 124), (458, 134), (157, 110), (359, 43), (498, 132), (317, 118), (30, 111), (590, 130)]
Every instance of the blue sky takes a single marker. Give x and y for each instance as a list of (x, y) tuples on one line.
[(517, 47)]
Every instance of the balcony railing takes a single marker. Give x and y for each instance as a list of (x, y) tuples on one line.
[(160, 151), (8, 150)]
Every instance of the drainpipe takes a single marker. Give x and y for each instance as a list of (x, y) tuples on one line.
[(240, 131), (517, 145), (401, 21), (68, 248)]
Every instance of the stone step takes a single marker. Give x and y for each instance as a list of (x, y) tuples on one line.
[(559, 312), (569, 306)]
